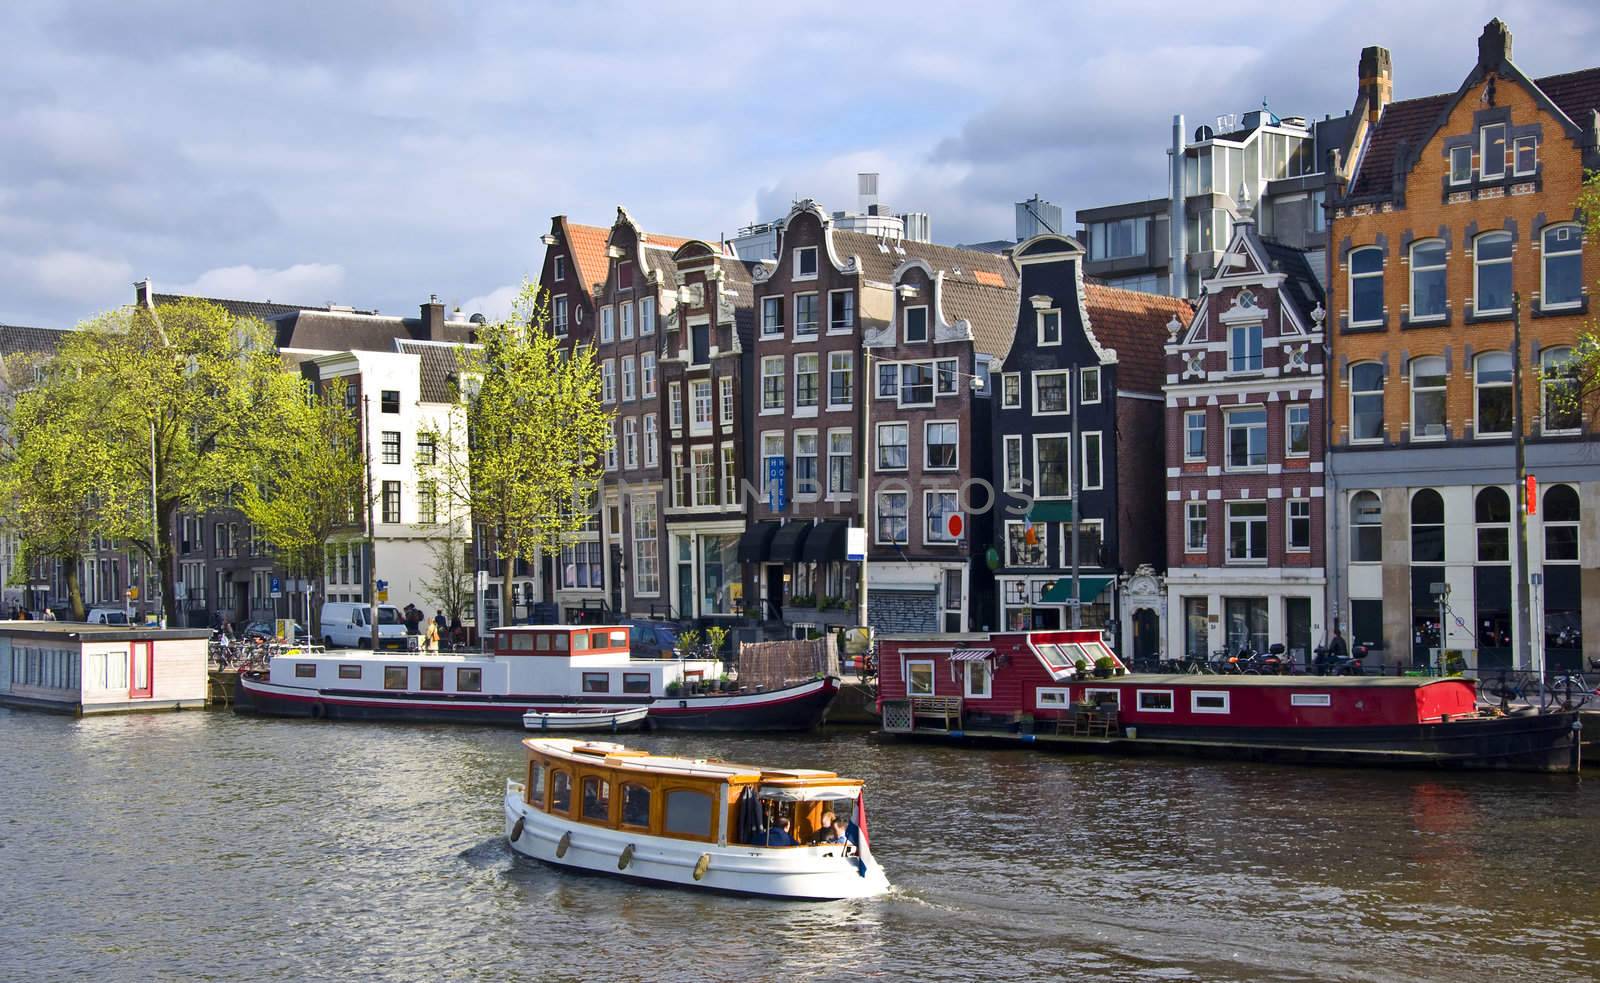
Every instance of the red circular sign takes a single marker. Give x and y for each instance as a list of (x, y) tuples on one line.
[(954, 524)]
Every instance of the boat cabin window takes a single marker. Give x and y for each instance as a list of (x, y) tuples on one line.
[(1051, 697), (560, 792), (1310, 700), (349, 672), (1156, 700), (536, 784), (596, 799), (541, 642), (597, 682), (580, 641), (559, 640), (469, 680), (395, 677), (305, 670), (636, 682), (521, 641), (635, 805), (1099, 696), (1208, 701), (919, 678), (433, 678), (688, 814), (1054, 656)]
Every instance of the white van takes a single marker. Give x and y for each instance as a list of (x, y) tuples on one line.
[(106, 616), (345, 625)]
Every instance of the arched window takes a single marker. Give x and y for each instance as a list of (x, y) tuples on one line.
[(1366, 286), (1427, 527), (1427, 279), (1366, 528), (1428, 378), (1558, 392), (1366, 402), (1560, 524), (1492, 382), (1561, 267), (1491, 273), (1492, 513), (596, 799)]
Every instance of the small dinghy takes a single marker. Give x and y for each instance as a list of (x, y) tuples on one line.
[(609, 719)]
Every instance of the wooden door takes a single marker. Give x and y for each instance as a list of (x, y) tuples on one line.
[(141, 670)]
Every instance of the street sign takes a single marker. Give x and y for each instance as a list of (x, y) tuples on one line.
[(1533, 495), (777, 493), (133, 593), (383, 597), (855, 544), (276, 587), (383, 585), (954, 524), (1537, 579)]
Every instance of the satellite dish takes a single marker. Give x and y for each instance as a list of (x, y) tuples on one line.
[(1203, 133)]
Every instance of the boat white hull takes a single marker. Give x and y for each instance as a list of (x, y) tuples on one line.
[(796, 873), (613, 720)]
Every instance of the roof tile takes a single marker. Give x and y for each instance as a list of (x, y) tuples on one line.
[(1135, 324)]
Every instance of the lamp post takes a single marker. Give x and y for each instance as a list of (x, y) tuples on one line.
[(1524, 626)]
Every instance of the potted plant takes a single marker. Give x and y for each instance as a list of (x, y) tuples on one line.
[(674, 688), (724, 684), (688, 644), (716, 639), (1102, 667), (1082, 667)]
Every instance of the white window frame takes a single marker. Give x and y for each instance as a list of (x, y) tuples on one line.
[(1195, 512), (701, 413), (1097, 526), (1289, 517), (1411, 279), (1038, 325), (905, 325), (1139, 696), (1052, 696), (1017, 562), (1011, 453), (817, 312), (1099, 473), (1352, 276), (1417, 430), (611, 448), (647, 317), (703, 484), (730, 476), (625, 321), (769, 327), (850, 457), (647, 374), (652, 441), (558, 314), (851, 326), (877, 517), (933, 677), (1227, 439), (1260, 523), (1545, 383), (1544, 258), (558, 268), (630, 442), (879, 443), (1467, 151), (630, 389), (675, 405), (842, 363), (1038, 483), (1254, 334), (946, 368), (608, 324), (608, 381), (1311, 699), (902, 388), (645, 586), (816, 262), (927, 445), (1516, 158), (1478, 264), (1066, 376), (815, 361), (774, 367), (1483, 151), (1008, 400), (792, 473), (1189, 416), (1084, 374), (1350, 385), (1477, 398), (726, 406), (1289, 427), (968, 691), (772, 440), (941, 537), (1194, 701)]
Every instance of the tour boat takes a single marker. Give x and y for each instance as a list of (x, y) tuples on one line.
[(614, 719), (531, 668), (1039, 687), (695, 823)]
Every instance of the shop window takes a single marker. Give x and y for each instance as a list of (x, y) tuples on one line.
[(1492, 514), (1427, 527)]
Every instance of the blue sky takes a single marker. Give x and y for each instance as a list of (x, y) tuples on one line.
[(373, 152)]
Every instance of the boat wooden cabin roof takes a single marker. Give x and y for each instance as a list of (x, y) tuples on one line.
[(604, 754)]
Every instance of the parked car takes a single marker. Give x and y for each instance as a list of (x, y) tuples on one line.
[(106, 616), (268, 631), (652, 639), (345, 625)]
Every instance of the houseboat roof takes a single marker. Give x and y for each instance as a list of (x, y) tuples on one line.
[(1212, 681), (78, 631), (609, 755), (561, 628)]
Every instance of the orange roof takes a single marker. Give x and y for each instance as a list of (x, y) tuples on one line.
[(989, 279), (587, 243), (1135, 324)]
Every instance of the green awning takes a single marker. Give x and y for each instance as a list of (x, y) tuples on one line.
[(1089, 590), (1050, 512)]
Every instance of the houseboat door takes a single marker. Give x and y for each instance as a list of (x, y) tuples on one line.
[(140, 675)]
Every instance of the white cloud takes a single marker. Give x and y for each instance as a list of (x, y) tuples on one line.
[(302, 283), (494, 305), (73, 275)]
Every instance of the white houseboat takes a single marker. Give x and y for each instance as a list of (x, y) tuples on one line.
[(694, 823), (66, 667), (531, 669)]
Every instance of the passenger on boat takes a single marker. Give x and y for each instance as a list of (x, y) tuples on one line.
[(779, 834), (824, 829)]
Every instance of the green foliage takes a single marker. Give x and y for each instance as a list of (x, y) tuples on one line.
[(688, 641), (716, 640), (1579, 388)]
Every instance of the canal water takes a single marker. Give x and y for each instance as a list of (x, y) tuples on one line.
[(203, 845)]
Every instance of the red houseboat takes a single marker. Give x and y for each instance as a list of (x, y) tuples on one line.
[(1043, 688)]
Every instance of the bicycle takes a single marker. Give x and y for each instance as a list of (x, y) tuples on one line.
[(1570, 689), (1509, 687)]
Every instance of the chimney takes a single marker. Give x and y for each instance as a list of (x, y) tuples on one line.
[(1591, 141), (144, 294), (1494, 46), (1376, 81), (432, 319)]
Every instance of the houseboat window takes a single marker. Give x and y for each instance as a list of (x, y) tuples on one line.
[(541, 642), (469, 680), (919, 678), (560, 792), (636, 682), (1099, 696), (619, 639), (305, 670), (349, 672), (599, 640), (1054, 656), (596, 799), (977, 687), (597, 682), (688, 813), (1208, 701), (521, 642), (560, 641), (536, 784), (433, 678), (1051, 697), (394, 677), (1156, 700), (635, 805), (1310, 700), (580, 641)]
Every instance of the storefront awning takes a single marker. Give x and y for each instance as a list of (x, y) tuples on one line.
[(1089, 590), (788, 541), (756, 542), (1050, 512), (826, 544), (971, 655)]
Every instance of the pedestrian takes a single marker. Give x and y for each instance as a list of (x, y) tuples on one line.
[(49, 614), (438, 619), (431, 640)]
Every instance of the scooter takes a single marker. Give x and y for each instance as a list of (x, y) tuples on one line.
[(1274, 663), (1328, 664)]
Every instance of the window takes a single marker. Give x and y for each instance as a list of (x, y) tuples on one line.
[(916, 324), (647, 317), (1491, 259), (391, 447), (675, 405), (1155, 700), (349, 672), (1091, 460), (893, 446), (630, 443), (894, 518), (1460, 165), (1525, 155), (596, 799), (1492, 155), (580, 566), (1247, 438), (1050, 392), (804, 480), (1247, 532), (841, 310), (1194, 527), (395, 677), (805, 263), (607, 325), (608, 381), (611, 448), (1113, 240), (597, 682), (1299, 525), (1013, 462), (1025, 546), (427, 503), (1052, 465), (469, 680), (1561, 271), (700, 407), (558, 267), (1366, 286), (636, 798), (1010, 390), (427, 449), (1208, 701), (939, 507), (703, 475), (941, 442), (1492, 378), (805, 315), (947, 373), (841, 380), (560, 791), (629, 390), (391, 501), (1297, 430), (559, 317), (841, 469), (624, 275), (725, 399), (1428, 377), (1559, 391), (652, 441), (1492, 516), (771, 316), (1089, 384), (772, 384), (431, 678), (688, 813), (1244, 348), (1427, 527), (977, 680), (1427, 280), (771, 450), (1194, 435), (636, 682), (1366, 402), (916, 384), (1310, 699), (1049, 327), (305, 670), (1560, 524), (677, 477), (888, 380), (919, 678), (390, 399), (1366, 528), (805, 381)]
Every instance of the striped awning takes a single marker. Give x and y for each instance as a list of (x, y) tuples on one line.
[(971, 655)]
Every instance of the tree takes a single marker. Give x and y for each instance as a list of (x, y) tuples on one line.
[(309, 477), (1579, 390), (449, 583), (530, 457)]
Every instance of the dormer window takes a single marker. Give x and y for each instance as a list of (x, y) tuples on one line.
[(1049, 327), (916, 324), (1526, 158), (1492, 156), (624, 275), (805, 263), (1461, 165)]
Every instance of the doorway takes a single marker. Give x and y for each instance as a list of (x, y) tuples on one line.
[(1297, 629), (774, 610), (141, 681), (1146, 636)]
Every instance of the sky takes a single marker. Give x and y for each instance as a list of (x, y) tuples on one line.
[(374, 152)]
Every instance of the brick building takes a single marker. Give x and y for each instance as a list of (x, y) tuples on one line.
[(1456, 205)]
